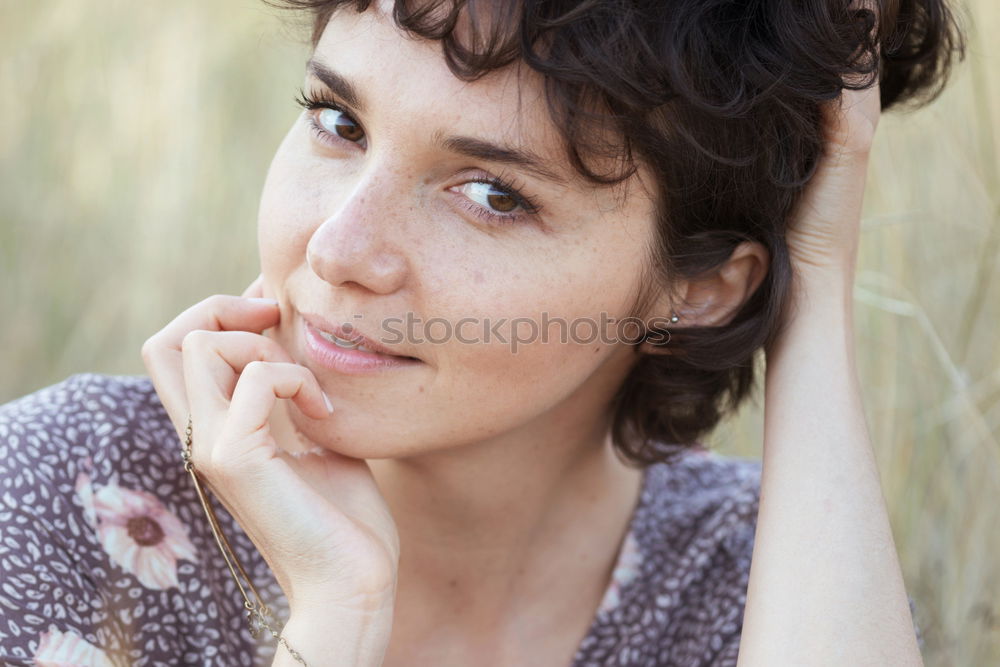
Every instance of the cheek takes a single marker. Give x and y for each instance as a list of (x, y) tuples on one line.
[(559, 342), (520, 377), (289, 205)]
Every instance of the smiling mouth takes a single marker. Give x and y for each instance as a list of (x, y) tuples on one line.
[(346, 344), (355, 342)]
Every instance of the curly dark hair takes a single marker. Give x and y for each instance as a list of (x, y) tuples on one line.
[(720, 99)]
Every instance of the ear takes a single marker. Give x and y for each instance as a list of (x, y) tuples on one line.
[(714, 298)]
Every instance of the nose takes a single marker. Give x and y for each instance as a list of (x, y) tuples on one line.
[(360, 243)]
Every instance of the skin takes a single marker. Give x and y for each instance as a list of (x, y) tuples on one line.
[(452, 505)]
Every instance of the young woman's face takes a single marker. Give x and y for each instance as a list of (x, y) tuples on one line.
[(382, 210)]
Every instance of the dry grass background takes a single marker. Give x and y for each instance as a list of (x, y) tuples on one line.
[(134, 139)]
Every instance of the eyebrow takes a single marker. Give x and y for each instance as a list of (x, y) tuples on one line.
[(461, 145), (490, 152), (340, 86)]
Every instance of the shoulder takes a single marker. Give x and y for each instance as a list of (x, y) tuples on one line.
[(697, 515), (87, 423), (704, 497), (84, 410), (687, 563), (63, 552), (106, 551)]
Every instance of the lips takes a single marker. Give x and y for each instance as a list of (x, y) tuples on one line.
[(341, 342), (348, 337)]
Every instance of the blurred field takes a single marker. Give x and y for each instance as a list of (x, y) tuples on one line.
[(134, 140)]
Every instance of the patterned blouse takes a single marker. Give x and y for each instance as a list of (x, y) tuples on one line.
[(107, 559)]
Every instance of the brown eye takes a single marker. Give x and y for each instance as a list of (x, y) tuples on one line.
[(491, 197), (501, 201), (495, 201), (336, 121)]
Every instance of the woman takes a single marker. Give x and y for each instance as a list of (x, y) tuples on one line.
[(516, 260)]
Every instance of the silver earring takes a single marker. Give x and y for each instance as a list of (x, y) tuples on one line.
[(674, 318)]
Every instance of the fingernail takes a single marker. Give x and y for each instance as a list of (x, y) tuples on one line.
[(269, 302), (326, 399)]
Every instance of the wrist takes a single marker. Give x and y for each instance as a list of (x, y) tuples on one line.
[(831, 278), (318, 599), (818, 289), (819, 311), (333, 635)]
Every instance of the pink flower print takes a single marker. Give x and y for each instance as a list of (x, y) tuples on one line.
[(68, 649), (137, 531), (625, 571)]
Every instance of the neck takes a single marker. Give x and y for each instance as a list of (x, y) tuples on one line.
[(491, 529)]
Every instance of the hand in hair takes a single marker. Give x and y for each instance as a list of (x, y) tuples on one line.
[(824, 229)]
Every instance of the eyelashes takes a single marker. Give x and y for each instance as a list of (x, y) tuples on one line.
[(502, 182), (508, 185), (312, 101)]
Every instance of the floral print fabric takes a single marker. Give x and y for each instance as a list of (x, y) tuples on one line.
[(105, 552), (137, 532), (107, 558)]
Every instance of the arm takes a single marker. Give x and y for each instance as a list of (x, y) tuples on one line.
[(825, 583)]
